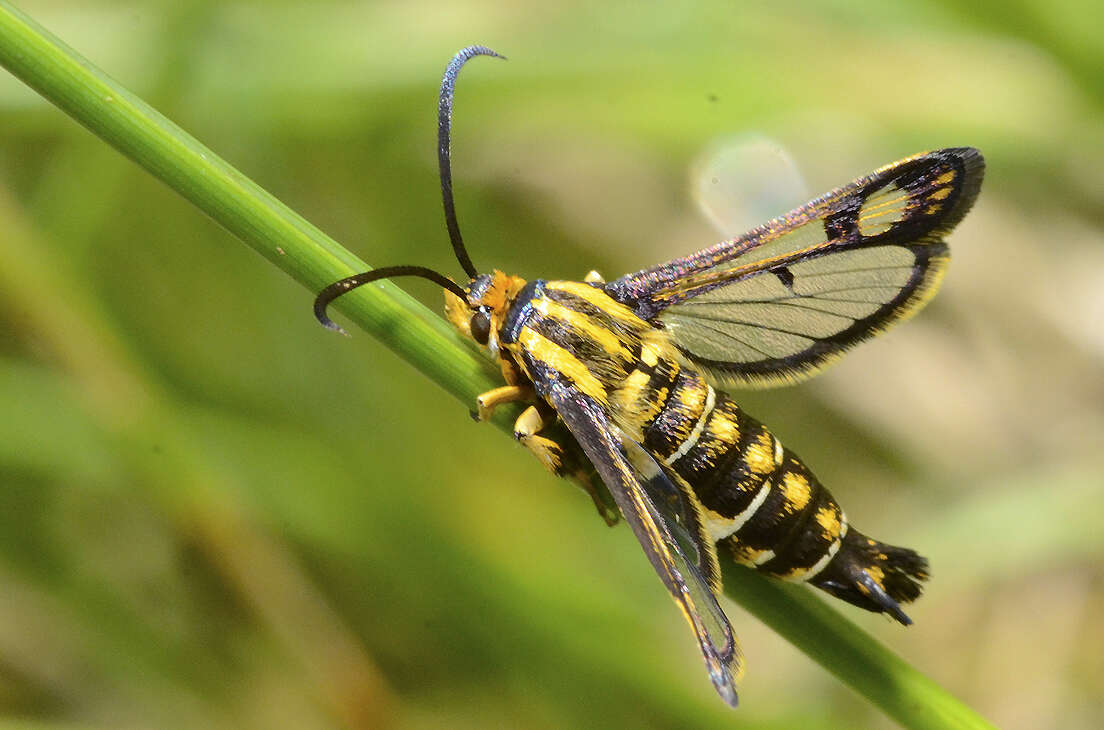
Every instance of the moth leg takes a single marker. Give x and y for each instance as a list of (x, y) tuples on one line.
[(550, 452), (527, 430), (585, 479), (594, 278), (492, 399), (557, 459)]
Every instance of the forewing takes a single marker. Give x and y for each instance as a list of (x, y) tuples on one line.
[(680, 509), (777, 303), (664, 528)]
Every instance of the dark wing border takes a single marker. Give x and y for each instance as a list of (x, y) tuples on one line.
[(589, 425), (649, 291), (927, 273)]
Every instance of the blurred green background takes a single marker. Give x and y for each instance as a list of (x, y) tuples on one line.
[(214, 513)]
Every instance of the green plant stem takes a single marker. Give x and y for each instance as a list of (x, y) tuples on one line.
[(820, 631), (268, 226), (421, 337)]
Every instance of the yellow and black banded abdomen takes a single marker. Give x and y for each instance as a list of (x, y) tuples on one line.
[(760, 502)]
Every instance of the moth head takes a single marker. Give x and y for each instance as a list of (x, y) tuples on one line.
[(480, 313), (478, 310)]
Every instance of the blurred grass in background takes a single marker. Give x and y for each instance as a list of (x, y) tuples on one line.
[(214, 513)]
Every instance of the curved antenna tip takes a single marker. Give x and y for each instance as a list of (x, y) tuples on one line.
[(476, 50), (320, 305), (331, 325), (343, 286), (444, 144)]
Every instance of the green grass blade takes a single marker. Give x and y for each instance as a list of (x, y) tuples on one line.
[(269, 227), (854, 656), (419, 336)]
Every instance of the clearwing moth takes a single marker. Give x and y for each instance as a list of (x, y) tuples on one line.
[(634, 369)]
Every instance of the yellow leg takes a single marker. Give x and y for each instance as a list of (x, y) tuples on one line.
[(487, 402), (548, 452), (594, 278), (551, 453), (608, 512)]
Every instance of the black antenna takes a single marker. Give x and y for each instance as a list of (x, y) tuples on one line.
[(444, 143), (336, 289), (444, 126)]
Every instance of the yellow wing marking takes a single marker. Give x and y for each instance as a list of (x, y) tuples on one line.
[(883, 208)]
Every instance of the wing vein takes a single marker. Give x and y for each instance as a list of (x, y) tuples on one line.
[(817, 295), (763, 326), (733, 337)]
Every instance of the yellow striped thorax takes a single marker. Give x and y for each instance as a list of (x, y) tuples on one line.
[(576, 330)]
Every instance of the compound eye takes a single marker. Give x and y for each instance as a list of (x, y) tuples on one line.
[(481, 326)]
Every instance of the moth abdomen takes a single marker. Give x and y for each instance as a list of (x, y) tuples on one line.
[(873, 575), (765, 507), (801, 534)]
